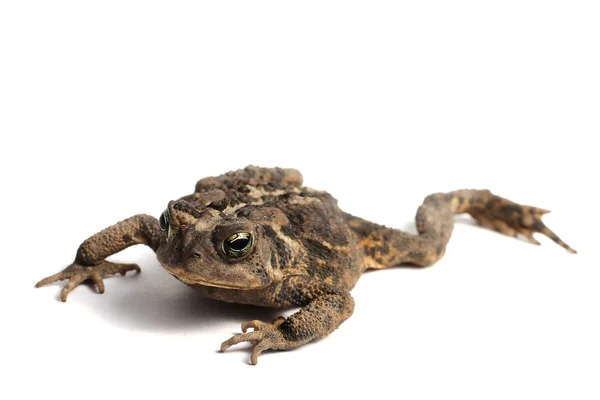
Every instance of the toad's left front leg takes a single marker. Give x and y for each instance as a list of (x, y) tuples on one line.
[(326, 308)]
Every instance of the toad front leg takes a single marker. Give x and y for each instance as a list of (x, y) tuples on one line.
[(90, 263), (324, 309)]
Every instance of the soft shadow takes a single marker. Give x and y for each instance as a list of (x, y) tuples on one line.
[(155, 301)]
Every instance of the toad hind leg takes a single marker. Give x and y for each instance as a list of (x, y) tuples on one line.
[(324, 309), (90, 263), (386, 247)]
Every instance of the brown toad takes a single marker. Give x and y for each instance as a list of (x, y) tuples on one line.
[(257, 236)]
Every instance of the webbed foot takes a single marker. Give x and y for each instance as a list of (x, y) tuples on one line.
[(513, 219)]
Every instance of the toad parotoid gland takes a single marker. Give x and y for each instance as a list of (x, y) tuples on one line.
[(257, 236)]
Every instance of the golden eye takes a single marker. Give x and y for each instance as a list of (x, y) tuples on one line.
[(238, 244)]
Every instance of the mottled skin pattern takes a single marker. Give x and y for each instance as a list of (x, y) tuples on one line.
[(305, 252)]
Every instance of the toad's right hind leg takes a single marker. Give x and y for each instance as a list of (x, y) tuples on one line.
[(386, 247)]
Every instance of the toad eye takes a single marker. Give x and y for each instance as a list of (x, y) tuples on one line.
[(238, 244), (164, 222)]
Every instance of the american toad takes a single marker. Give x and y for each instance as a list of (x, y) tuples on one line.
[(257, 236)]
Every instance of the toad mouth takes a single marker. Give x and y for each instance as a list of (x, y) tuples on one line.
[(192, 279)]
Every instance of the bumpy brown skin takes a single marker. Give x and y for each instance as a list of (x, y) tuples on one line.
[(305, 252)]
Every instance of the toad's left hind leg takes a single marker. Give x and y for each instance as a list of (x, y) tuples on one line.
[(386, 247)]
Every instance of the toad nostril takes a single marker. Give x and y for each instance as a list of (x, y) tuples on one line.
[(196, 254)]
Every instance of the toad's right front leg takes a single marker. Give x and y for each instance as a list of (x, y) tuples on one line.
[(90, 263)]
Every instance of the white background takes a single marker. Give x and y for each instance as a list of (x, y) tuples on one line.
[(113, 108)]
